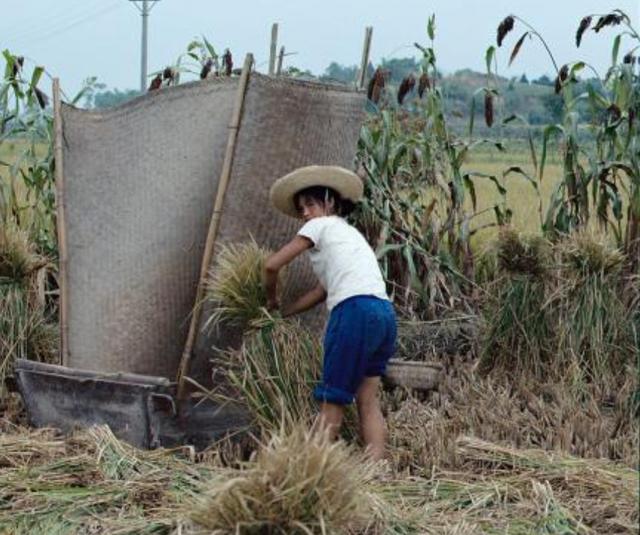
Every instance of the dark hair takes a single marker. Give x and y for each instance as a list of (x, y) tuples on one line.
[(322, 194)]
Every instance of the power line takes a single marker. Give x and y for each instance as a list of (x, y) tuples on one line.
[(42, 36), (42, 21)]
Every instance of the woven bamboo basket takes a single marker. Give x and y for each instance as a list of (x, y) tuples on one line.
[(415, 375)]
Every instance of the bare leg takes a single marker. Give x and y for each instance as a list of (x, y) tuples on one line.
[(330, 418), (372, 426)]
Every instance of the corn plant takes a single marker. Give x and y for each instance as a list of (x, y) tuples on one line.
[(417, 193), (27, 186), (28, 245), (600, 176), (200, 59)]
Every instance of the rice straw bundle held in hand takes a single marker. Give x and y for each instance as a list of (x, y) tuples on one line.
[(235, 287)]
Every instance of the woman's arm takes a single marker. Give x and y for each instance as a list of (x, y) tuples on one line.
[(306, 301), (277, 261)]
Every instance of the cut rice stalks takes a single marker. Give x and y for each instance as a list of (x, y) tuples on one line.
[(91, 483), (235, 287), (26, 330), (301, 483), (518, 327), (591, 421), (275, 370), (560, 308), (506, 490), (595, 325)]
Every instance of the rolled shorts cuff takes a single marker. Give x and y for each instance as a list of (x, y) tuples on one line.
[(330, 394), (377, 370)]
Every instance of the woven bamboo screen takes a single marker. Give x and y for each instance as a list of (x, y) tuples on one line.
[(139, 184)]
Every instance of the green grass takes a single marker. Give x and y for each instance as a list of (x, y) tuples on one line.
[(522, 197)]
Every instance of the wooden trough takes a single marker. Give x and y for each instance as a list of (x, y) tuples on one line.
[(140, 409)]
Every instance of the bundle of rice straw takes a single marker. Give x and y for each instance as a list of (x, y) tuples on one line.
[(301, 482), (278, 363), (521, 254), (518, 327), (595, 325), (276, 369), (235, 287), (24, 328)]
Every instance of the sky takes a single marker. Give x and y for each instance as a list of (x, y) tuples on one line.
[(75, 39)]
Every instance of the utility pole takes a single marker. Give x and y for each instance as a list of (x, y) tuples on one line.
[(145, 8), (272, 50), (362, 75)]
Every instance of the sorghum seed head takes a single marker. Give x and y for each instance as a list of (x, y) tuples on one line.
[(227, 61), (608, 20), (504, 28), (488, 108), (405, 87), (156, 83), (561, 78), (423, 84), (584, 24), (43, 100), (206, 69)]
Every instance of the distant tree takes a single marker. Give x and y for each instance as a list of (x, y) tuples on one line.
[(400, 67), (340, 73), (543, 80), (537, 117), (107, 99), (524, 79), (295, 72), (468, 73), (90, 86), (553, 105), (454, 89)]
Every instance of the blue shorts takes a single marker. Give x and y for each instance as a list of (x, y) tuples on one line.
[(360, 340)]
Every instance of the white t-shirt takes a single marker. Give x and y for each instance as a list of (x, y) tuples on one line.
[(342, 260)]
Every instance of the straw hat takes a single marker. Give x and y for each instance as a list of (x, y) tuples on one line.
[(345, 182)]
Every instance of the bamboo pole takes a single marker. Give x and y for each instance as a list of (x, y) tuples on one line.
[(368, 32), (280, 59), (214, 225), (272, 51), (61, 225)]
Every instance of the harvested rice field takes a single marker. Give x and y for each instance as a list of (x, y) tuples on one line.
[(510, 252), (477, 457)]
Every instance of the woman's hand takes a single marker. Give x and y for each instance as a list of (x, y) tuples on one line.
[(273, 304)]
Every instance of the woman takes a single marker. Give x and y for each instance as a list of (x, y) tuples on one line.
[(361, 332)]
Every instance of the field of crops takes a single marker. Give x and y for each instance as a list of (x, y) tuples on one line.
[(516, 270), (521, 196)]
